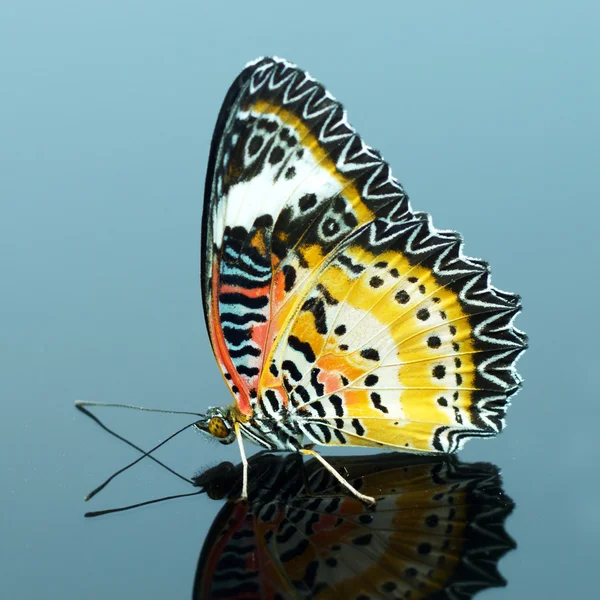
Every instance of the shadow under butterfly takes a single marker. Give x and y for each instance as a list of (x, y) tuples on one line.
[(437, 530)]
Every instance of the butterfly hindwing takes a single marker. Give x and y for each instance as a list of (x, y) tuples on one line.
[(400, 340)]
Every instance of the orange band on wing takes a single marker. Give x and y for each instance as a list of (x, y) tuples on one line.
[(222, 353)]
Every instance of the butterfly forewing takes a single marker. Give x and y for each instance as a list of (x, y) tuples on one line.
[(285, 187), (329, 302)]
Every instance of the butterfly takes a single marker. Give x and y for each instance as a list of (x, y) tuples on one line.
[(337, 314), (437, 530)]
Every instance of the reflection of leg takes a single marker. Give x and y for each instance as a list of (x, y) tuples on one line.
[(238, 435), (355, 492)]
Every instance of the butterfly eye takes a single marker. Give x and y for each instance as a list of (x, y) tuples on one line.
[(218, 428)]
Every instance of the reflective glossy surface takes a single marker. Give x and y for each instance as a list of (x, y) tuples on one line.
[(437, 530)]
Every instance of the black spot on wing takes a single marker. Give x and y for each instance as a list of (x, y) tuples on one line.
[(340, 436), (246, 301), (317, 308), (371, 380), (314, 381), (303, 347), (303, 393), (423, 314), (370, 354), (325, 432), (338, 405), (276, 155), (434, 341), (246, 350), (289, 274), (242, 319), (347, 262), (318, 406), (292, 369), (330, 227), (439, 371), (307, 202), (402, 297), (248, 371), (360, 430), (376, 399), (256, 141), (235, 336), (273, 401)]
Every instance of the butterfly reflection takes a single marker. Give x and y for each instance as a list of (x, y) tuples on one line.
[(437, 530)]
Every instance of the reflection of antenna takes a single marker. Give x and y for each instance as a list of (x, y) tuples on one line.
[(99, 513), (81, 406)]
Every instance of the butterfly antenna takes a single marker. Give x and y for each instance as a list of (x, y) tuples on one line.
[(81, 403), (131, 464), (108, 511), (81, 406)]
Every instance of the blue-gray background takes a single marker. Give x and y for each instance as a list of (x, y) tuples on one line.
[(488, 112)]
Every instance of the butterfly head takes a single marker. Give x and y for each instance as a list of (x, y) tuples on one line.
[(218, 423)]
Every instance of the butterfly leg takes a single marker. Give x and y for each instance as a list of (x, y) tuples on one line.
[(238, 435), (354, 491)]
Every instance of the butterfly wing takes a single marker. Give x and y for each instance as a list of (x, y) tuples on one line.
[(234, 563), (288, 180), (436, 532), (385, 334), (327, 298)]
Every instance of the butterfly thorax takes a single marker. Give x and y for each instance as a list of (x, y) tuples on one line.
[(272, 426)]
